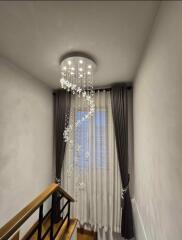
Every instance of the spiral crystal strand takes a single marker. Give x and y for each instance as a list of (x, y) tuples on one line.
[(77, 78)]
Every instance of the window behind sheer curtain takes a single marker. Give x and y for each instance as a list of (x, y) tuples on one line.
[(82, 138)]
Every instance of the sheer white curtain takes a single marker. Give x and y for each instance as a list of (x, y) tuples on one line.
[(90, 171)]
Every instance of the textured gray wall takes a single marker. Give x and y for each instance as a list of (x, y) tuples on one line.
[(26, 123), (158, 128)]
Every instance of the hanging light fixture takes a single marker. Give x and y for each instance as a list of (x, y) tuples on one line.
[(77, 78)]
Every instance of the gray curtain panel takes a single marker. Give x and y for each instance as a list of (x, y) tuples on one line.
[(119, 101), (62, 101)]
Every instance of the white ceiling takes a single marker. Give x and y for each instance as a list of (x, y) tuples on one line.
[(35, 34)]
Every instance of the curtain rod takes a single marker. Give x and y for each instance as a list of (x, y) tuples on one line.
[(110, 88), (129, 87)]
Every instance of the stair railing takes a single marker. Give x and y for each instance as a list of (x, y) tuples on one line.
[(57, 193)]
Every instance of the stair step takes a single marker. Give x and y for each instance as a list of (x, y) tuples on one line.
[(71, 229), (65, 233)]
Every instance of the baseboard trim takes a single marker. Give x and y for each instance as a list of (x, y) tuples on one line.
[(138, 222)]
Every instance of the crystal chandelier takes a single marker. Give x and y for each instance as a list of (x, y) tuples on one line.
[(77, 79)]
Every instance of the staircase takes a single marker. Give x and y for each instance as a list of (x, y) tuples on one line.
[(54, 225)]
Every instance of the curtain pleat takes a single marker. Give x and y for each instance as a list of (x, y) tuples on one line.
[(61, 108), (120, 118)]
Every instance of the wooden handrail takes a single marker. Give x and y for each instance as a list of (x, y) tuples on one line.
[(14, 224), (65, 194)]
